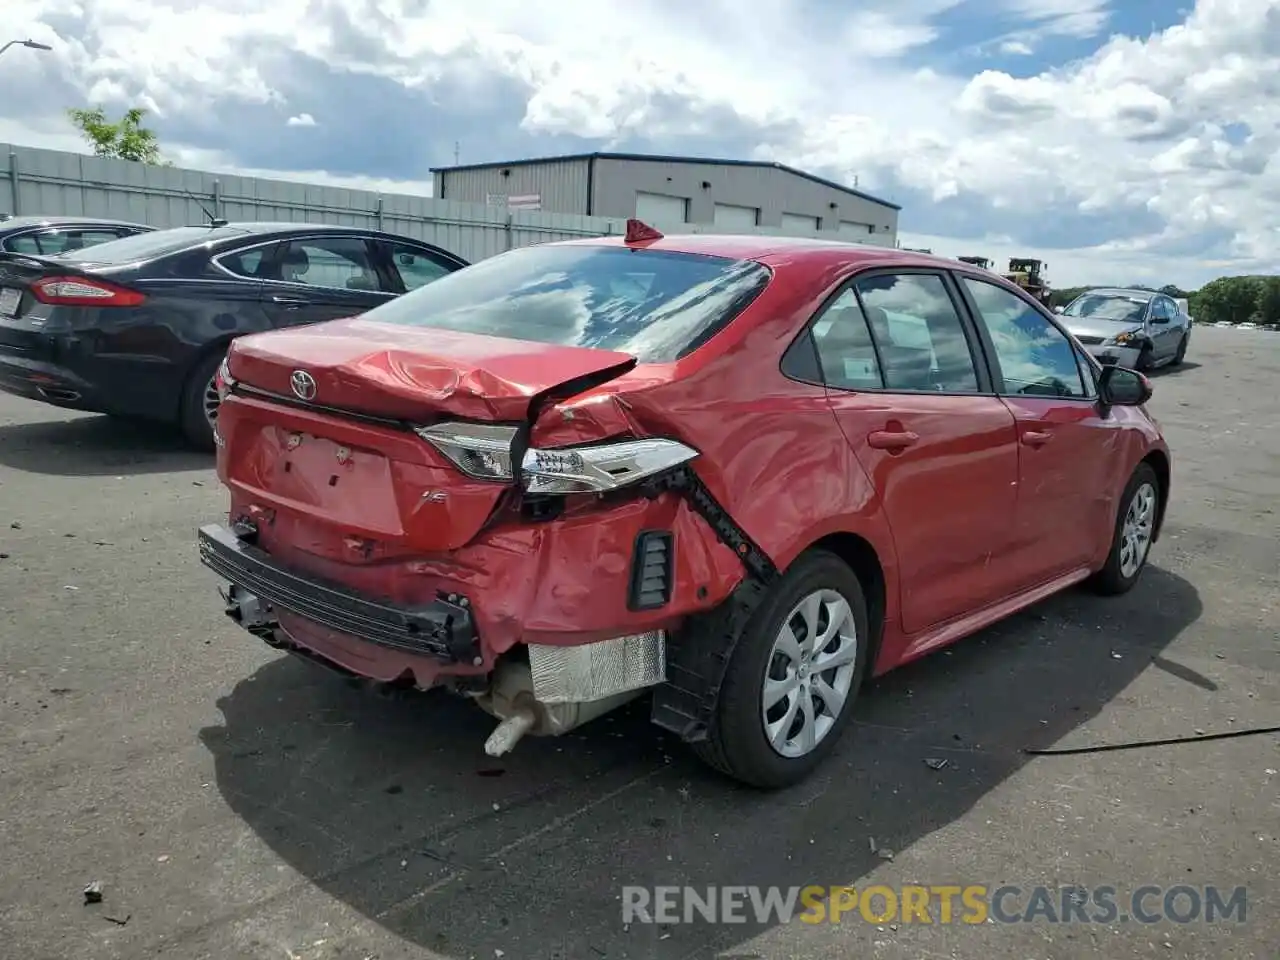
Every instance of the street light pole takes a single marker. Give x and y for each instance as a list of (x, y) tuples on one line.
[(30, 44)]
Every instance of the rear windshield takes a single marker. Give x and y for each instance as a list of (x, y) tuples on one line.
[(143, 246), (655, 305)]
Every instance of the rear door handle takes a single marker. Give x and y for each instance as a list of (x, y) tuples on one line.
[(1036, 438), (891, 439)]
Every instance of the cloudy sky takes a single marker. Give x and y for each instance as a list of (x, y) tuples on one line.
[(1119, 140)]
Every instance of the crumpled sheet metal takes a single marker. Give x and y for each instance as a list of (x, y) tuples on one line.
[(593, 671)]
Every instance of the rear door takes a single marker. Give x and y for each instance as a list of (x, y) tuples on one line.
[(914, 400), (322, 278), (1066, 447)]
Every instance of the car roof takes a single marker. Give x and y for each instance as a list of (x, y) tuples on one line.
[(1130, 294), (774, 249), (24, 223)]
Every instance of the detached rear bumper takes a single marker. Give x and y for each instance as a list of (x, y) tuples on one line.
[(443, 630)]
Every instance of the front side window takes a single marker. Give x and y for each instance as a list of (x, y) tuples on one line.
[(415, 266), (1035, 357), (919, 335), (656, 305), (339, 262), (1160, 309)]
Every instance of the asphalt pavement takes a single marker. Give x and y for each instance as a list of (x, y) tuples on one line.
[(236, 803)]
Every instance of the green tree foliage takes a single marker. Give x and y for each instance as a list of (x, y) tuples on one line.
[(124, 139), (1268, 310), (1233, 299)]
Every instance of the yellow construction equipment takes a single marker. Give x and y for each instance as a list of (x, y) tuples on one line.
[(1029, 275)]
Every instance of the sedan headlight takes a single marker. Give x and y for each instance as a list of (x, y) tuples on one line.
[(1121, 339), (485, 452)]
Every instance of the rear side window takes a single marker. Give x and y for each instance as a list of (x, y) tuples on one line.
[(340, 262), (656, 305), (845, 351), (920, 336)]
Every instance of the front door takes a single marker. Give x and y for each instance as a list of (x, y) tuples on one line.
[(1064, 445), (1163, 331), (323, 278), (940, 449)]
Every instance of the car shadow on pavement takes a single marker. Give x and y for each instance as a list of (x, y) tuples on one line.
[(1186, 366), (391, 807), (94, 446)]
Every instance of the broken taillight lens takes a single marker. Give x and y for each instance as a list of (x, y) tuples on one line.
[(485, 452), (84, 292)]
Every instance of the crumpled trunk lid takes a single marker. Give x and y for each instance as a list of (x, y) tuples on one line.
[(334, 461), (417, 374)]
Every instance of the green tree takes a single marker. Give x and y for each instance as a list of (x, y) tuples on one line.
[(1268, 310), (125, 139), (1233, 299)]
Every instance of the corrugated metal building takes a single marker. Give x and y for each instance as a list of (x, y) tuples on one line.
[(670, 191)]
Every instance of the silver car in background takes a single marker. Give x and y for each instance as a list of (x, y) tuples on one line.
[(1140, 329)]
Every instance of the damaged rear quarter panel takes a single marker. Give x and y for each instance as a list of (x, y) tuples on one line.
[(771, 450)]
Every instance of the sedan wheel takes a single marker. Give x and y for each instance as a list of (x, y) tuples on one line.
[(1132, 535), (1135, 534), (809, 674), (211, 402), (793, 674)]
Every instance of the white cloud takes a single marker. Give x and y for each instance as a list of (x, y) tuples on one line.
[(301, 120), (1134, 135), (1017, 48)]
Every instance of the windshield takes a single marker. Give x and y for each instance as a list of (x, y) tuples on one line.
[(143, 246), (1116, 307), (655, 305)]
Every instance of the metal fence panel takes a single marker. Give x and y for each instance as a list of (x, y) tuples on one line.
[(54, 183)]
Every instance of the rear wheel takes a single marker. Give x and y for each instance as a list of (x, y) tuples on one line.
[(200, 402), (790, 684), (1132, 535)]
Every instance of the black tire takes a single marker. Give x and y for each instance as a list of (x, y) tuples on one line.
[(1113, 579), (737, 744), (1182, 350), (195, 425), (1146, 359)]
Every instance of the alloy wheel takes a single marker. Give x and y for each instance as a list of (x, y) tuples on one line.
[(210, 401), (1135, 532), (809, 673)]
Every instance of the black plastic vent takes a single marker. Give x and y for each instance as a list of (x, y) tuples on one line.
[(652, 567)]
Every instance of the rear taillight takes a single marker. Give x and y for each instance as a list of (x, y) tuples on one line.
[(486, 452), (84, 292), (223, 382)]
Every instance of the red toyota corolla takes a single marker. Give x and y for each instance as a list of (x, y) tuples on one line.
[(735, 474)]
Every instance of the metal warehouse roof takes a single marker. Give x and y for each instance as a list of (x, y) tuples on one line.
[(653, 158)]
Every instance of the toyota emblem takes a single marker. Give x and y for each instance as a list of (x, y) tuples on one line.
[(304, 385)]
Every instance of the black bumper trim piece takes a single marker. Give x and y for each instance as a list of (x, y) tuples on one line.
[(443, 628), (684, 481)]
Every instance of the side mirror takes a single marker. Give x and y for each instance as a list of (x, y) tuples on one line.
[(1158, 319), (1122, 387), (1059, 309)]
